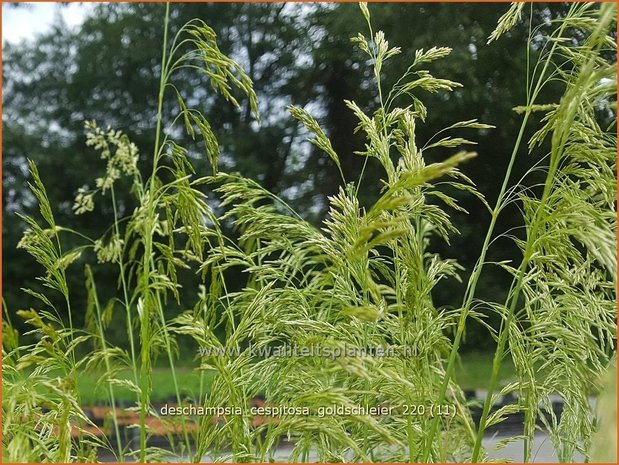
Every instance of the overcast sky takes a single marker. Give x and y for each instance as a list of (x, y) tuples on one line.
[(30, 19)]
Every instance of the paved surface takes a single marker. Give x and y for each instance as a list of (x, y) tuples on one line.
[(542, 450), (512, 452)]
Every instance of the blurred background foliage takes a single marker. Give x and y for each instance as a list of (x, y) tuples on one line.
[(301, 54)]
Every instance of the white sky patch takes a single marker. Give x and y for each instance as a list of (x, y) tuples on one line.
[(29, 20)]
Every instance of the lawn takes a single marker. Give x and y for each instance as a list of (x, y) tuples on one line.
[(473, 372), (93, 392)]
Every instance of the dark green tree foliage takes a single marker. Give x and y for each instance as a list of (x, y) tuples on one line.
[(108, 70), (493, 81), (111, 65)]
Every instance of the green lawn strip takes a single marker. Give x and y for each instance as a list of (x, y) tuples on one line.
[(472, 373), (475, 369), (94, 392)]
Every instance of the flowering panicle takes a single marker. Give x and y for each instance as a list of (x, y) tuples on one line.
[(121, 155), (83, 201), (110, 252)]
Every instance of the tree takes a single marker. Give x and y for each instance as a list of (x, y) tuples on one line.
[(108, 70)]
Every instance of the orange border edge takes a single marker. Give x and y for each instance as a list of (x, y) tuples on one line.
[(264, 1)]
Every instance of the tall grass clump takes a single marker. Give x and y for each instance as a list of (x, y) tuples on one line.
[(559, 317), (163, 234), (363, 279)]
